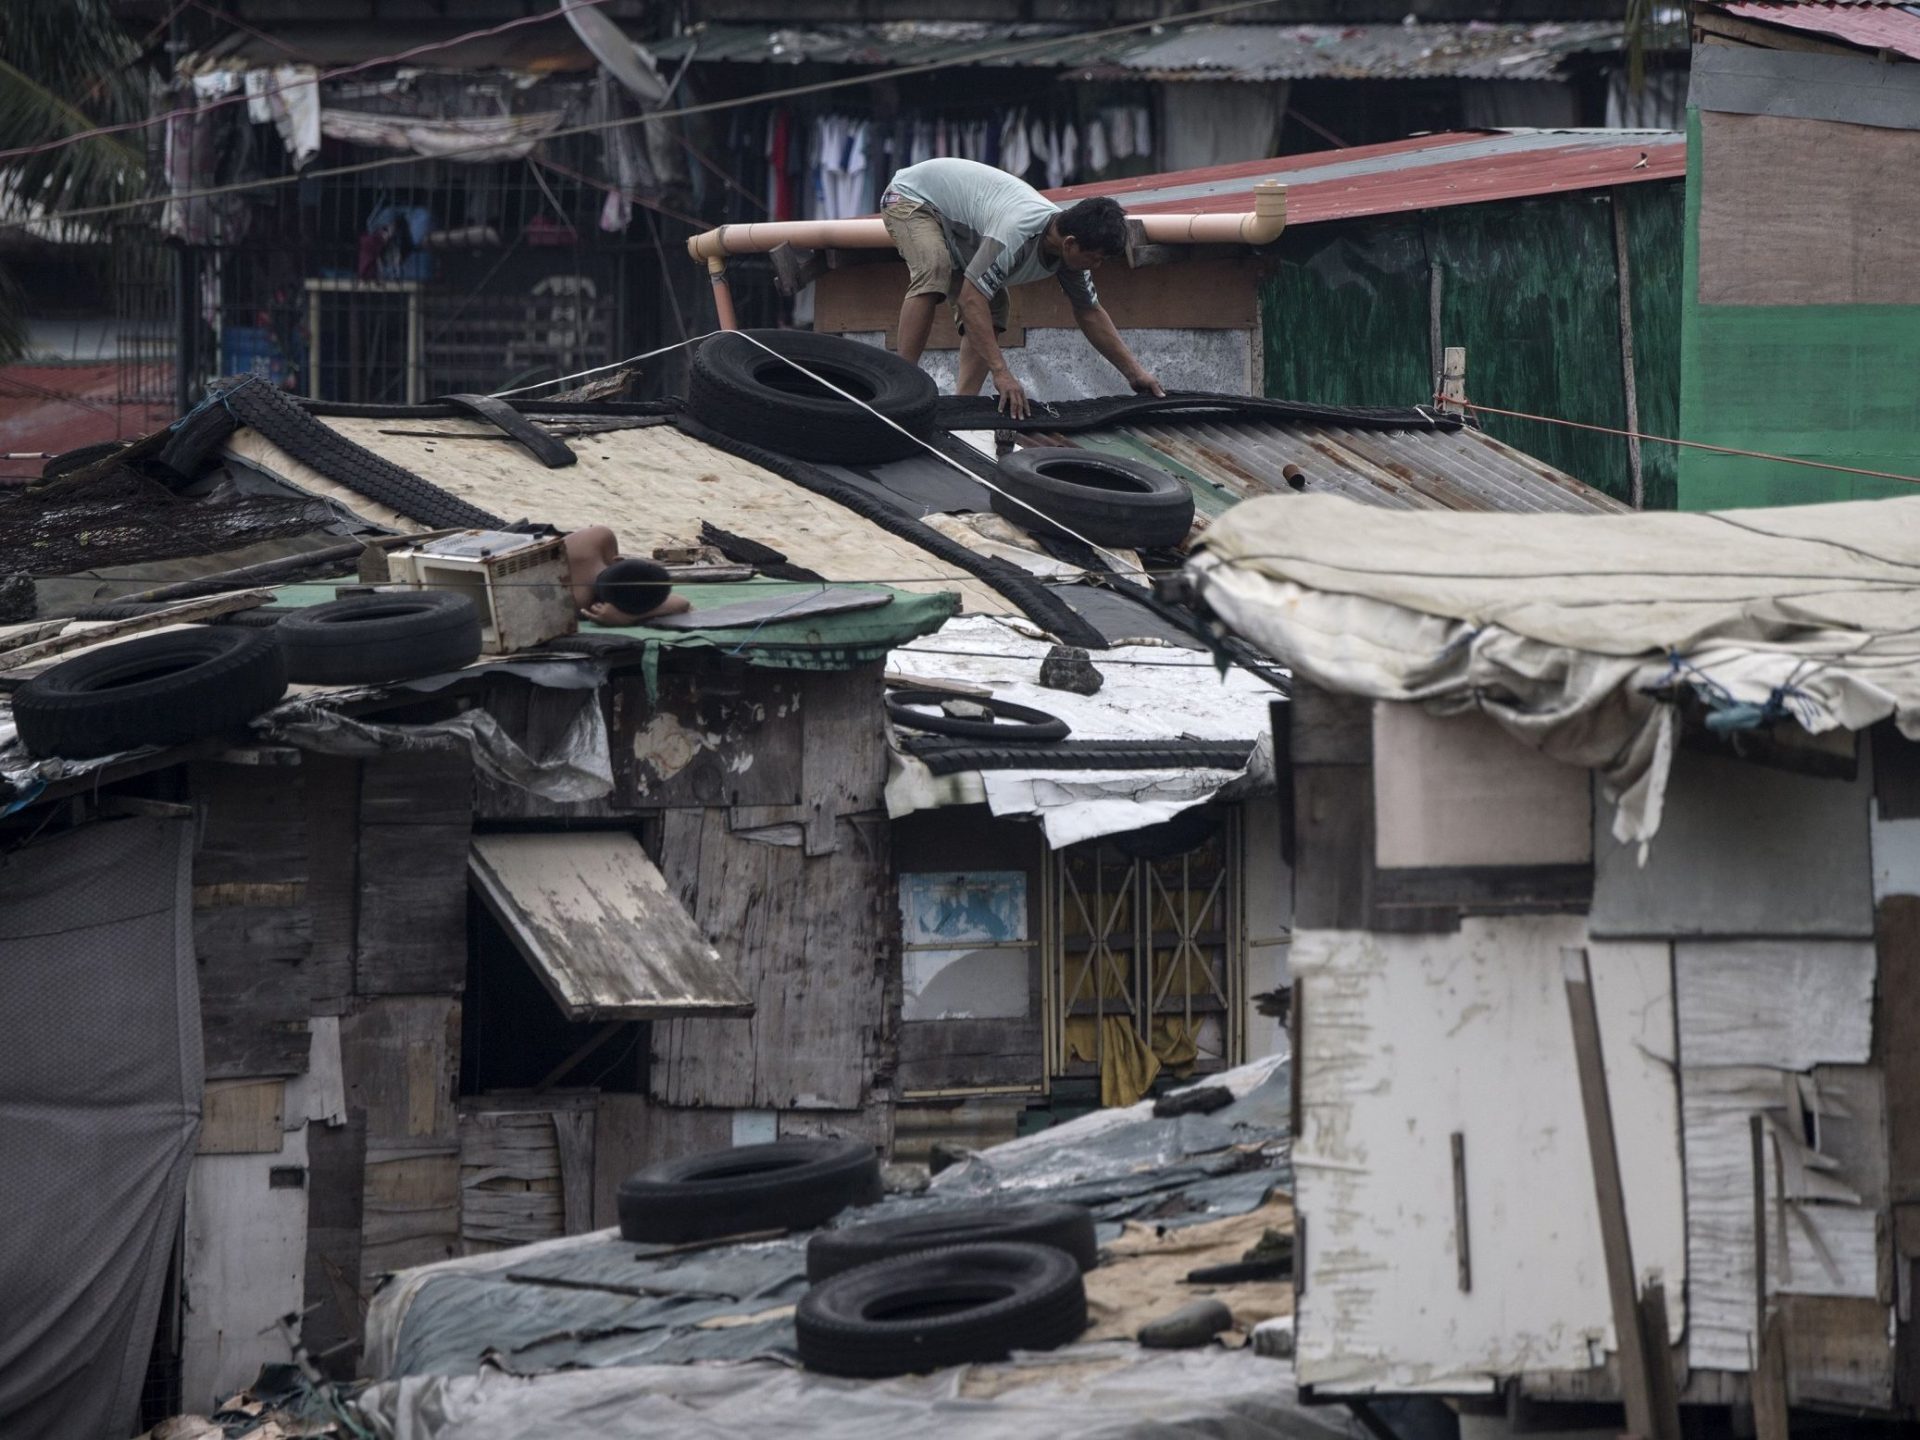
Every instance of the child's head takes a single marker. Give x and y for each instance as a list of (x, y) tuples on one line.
[(634, 586)]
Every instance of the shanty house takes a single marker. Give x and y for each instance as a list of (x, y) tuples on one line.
[(1800, 306), (1603, 957), (464, 950)]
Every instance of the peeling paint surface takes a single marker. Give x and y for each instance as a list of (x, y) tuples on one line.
[(1407, 1039)]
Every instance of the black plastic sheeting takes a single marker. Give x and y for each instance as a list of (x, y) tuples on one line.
[(1122, 618), (612, 1302), (949, 757), (980, 412)]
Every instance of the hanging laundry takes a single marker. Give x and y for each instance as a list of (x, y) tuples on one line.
[(1056, 158), (1119, 126), (1098, 156), (1142, 132), (1015, 153), (1069, 153)]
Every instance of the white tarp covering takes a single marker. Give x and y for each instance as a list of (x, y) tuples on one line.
[(1151, 694), (1557, 626)]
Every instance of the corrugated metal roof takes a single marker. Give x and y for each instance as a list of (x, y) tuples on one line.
[(1423, 173), (1858, 22), (1473, 50), (1393, 469)]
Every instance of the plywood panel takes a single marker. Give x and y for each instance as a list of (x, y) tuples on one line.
[(331, 794), (1742, 850), (400, 1056), (251, 925), (1791, 1004), (411, 1212), (653, 486), (416, 814), (1807, 212), (1406, 1039), (243, 1267), (700, 742), (812, 939), (336, 1200), (1458, 790), (241, 1117)]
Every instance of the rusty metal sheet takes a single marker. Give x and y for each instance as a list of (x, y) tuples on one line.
[(1398, 469), (593, 916)]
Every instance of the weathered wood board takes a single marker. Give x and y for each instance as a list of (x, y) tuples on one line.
[(400, 1058), (416, 813), (812, 940)]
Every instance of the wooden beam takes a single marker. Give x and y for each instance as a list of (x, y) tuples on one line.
[(1636, 1384), (1463, 1255)]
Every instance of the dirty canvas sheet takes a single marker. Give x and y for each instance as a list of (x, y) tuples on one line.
[(1558, 626)]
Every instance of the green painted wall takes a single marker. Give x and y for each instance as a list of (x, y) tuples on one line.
[(1838, 383), (1528, 287)]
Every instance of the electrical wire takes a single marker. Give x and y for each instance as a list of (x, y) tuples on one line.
[(707, 107), (1682, 444)]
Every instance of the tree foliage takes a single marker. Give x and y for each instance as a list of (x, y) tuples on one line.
[(66, 68)]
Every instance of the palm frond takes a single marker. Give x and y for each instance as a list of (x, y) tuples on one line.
[(69, 68), (94, 171)]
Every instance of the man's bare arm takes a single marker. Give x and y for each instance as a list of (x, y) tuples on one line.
[(1098, 327), (978, 314)]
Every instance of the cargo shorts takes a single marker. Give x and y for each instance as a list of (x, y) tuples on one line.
[(922, 243)]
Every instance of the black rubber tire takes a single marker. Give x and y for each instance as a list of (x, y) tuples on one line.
[(1107, 499), (78, 458), (151, 690), (1064, 1227), (787, 1185), (975, 1303), (742, 391), (243, 401), (1028, 724), (373, 639)]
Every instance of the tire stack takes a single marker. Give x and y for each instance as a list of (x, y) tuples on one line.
[(891, 1297)]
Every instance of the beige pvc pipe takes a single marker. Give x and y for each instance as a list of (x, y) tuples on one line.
[(1259, 227)]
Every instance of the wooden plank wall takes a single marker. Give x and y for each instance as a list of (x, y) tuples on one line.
[(334, 887), (799, 896)]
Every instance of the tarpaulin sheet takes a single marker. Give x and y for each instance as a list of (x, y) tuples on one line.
[(597, 1301), (100, 1084), (1107, 1392), (1567, 630)]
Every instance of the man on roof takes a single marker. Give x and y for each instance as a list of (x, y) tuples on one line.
[(968, 231)]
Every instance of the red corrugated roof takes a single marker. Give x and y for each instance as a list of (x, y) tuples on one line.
[(1876, 26), (52, 408), (1423, 173)]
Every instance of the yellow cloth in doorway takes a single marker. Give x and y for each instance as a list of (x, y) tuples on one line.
[(1128, 1066)]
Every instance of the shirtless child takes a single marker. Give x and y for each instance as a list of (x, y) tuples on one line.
[(610, 590)]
